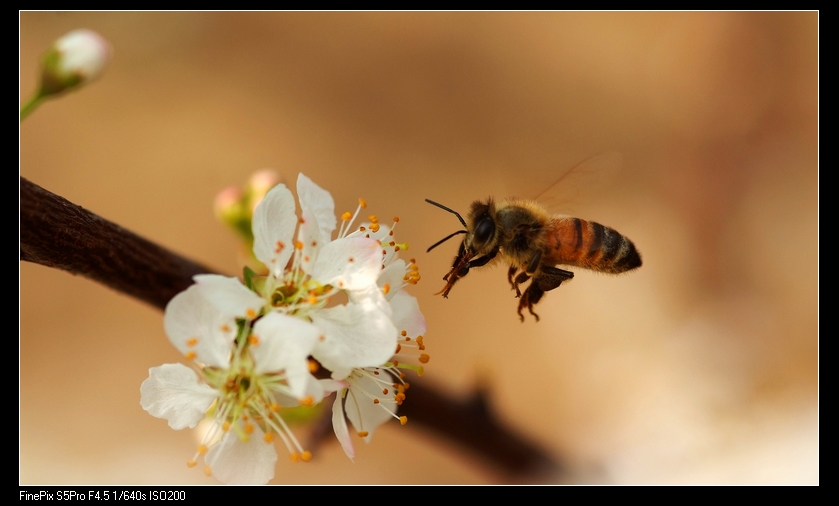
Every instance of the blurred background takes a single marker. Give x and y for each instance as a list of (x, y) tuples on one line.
[(701, 367)]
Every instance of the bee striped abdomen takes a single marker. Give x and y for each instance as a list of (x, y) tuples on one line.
[(591, 245)]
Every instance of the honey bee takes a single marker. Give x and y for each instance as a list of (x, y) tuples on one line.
[(534, 241)]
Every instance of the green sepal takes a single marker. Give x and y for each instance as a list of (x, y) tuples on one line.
[(248, 275)]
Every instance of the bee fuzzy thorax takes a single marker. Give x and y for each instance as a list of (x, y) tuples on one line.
[(523, 229)]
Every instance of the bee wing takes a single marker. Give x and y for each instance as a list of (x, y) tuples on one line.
[(582, 183)]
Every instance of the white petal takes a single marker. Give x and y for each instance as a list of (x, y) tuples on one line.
[(284, 343), (354, 335), (364, 414), (234, 461), (394, 276), (175, 393), (330, 385), (372, 295), (364, 230), (383, 236), (273, 227), (407, 315), (309, 235), (380, 234), (319, 203), (339, 425), (194, 325), (229, 295), (313, 388), (349, 264), (317, 389)]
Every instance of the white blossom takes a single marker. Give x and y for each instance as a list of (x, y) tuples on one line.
[(241, 370), (334, 302), (305, 275)]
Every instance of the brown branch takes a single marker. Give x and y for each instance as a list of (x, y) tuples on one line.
[(57, 233), (471, 423)]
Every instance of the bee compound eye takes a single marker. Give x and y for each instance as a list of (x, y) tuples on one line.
[(484, 230), (463, 271)]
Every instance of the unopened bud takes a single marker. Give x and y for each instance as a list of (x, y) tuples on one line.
[(75, 59), (228, 205)]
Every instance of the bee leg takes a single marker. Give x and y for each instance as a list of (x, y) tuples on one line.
[(510, 272), (526, 273), (533, 264), (458, 260), (482, 260), (461, 269), (531, 296), (521, 278), (553, 272), (548, 279)]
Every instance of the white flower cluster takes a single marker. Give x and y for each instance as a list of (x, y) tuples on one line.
[(253, 349)]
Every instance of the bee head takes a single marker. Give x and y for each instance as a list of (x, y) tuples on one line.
[(481, 225)]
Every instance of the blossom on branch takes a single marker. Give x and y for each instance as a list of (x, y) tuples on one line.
[(332, 303)]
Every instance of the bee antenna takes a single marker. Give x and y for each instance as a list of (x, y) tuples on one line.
[(441, 241), (459, 217)]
